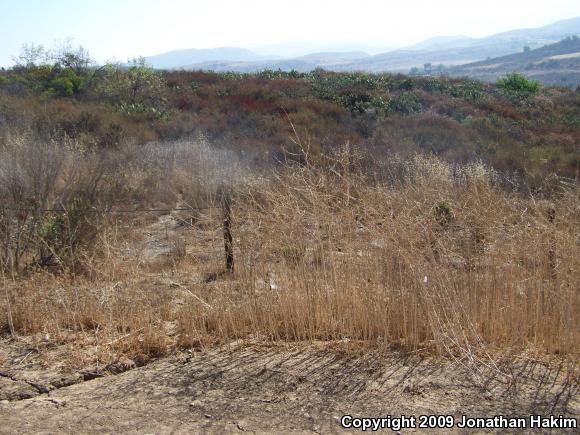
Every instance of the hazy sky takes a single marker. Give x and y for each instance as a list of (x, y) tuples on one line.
[(117, 29)]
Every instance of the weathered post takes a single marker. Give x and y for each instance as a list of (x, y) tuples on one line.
[(552, 248), (228, 239)]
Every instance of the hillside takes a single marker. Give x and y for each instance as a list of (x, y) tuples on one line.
[(459, 120), (555, 64), (533, 37), (461, 50), (443, 42), (551, 32), (303, 64), (294, 49)]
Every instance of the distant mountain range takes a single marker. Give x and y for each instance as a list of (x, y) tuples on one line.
[(294, 49), (327, 60), (180, 58), (555, 64), (450, 51), (533, 37)]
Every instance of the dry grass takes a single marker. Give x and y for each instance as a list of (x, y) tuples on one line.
[(326, 255), (422, 256)]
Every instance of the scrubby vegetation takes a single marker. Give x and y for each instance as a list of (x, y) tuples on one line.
[(425, 213), (515, 126)]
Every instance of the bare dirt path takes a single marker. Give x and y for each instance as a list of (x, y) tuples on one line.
[(274, 390)]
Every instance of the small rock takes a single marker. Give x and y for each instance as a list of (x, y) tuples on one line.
[(90, 375), (57, 402), (65, 381), (12, 390)]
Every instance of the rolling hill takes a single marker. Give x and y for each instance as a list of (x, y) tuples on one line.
[(457, 50), (326, 60), (178, 58), (555, 64)]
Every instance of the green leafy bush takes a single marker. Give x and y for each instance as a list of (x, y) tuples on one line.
[(405, 103), (136, 89), (518, 85), (66, 83)]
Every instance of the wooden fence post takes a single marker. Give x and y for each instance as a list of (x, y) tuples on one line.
[(552, 248), (228, 239)]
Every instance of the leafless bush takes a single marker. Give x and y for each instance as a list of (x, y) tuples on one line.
[(80, 186)]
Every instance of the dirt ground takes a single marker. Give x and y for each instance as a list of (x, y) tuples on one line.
[(259, 389)]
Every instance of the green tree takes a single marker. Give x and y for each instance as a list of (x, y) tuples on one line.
[(414, 71), (60, 72), (133, 89)]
